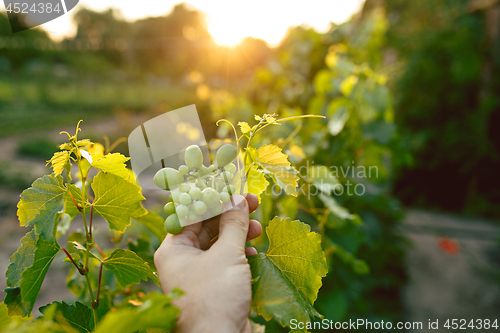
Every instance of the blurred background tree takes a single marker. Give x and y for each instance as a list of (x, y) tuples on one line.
[(447, 101)]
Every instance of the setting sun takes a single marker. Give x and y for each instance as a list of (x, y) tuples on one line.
[(228, 21)]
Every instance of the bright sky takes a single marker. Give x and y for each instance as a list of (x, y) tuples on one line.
[(230, 21)]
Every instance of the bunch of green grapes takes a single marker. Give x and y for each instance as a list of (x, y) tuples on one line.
[(202, 190)]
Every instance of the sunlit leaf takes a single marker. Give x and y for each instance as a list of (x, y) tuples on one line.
[(274, 162), (245, 128), (155, 312), (58, 161), (117, 200), (41, 204), (288, 277), (256, 181), (112, 163), (128, 268)]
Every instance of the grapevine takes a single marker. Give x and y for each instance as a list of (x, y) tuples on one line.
[(197, 192)]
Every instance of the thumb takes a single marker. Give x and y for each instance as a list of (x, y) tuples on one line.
[(233, 228)]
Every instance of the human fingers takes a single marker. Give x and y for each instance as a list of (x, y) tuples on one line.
[(234, 223), (254, 230), (250, 251), (210, 227)]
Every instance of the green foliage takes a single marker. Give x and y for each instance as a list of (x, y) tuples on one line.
[(117, 200), (447, 102), (154, 312), (293, 265), (42, 204), (79, 316), (128, 268), (26, 281), (287, 277)]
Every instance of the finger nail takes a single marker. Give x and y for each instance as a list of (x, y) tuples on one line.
[(240, 203)]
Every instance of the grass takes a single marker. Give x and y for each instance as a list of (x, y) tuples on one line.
[(13, 178), (41, 148)]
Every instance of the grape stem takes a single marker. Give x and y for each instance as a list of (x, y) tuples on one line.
[(74, 201), (73, 261)]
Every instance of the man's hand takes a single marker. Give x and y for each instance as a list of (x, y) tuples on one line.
[(214, 274)]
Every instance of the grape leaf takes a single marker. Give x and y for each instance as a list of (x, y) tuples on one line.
[(153, 222), (69, 205), (58, 161), (117, 200), (21, 298), (21, 259), (128, 268), (112, 163), (287, 278), (245, 128), (78, 316), (4, 320), (155, 312), (335, 208), (321, 177), (274, 162), (256, 181), (41, 204)]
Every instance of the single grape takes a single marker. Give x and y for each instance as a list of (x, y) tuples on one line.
[(216, 210), (212, 204), (195, 193), (193, 157), (199, 207), (225, 155), (183, 169), (182, 210), (192, 217), (203, 171), (229, 188), (173, 225), (169, 208), (230, 168), (226, 177), (174, 196), (168, 179), (211, 168), (184, 188), (225, 197), (184, 199), (208, 194)]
